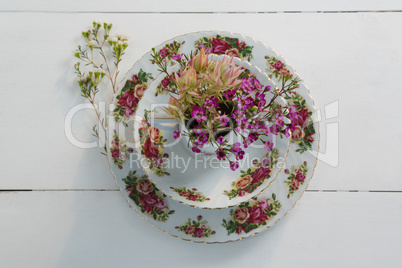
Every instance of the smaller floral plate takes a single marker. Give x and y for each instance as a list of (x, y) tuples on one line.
[(196, 179)]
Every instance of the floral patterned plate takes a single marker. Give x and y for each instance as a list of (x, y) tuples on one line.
[(199, 180), (224, 225)]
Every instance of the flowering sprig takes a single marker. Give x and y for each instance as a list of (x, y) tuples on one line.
[(97, 40)]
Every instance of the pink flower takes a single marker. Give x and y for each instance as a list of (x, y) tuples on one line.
[(209, 104), (190, 229), (265, 162), (159, 161), (220, 140), (129, 101), (221, 154), (260, 173), (177, 134), (165, 82), (278, 65), (192, 198), (116, 153), (177, 57), (300, 176), (268, 145), (150, 149), (224, 120), (148, 201), (161, 204), (128, 111), (247, 85), (257, 215), (240, 45), (196, 147), (295, 184), (261, 104), (234, 165), (236, 147), (263, 204), (164, 52), (239, 154), (198, 232), (144, 124), (202, 139), (302, 118), (134, 79), (198, 113), (230, 94), (219, 46)]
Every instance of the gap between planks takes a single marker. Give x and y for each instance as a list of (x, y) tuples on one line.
[(202, 13), (116, 190)]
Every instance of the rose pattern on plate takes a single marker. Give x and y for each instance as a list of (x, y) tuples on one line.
[(152, 145), (192, 195), (253, 177), (147, 197), (171, 51), (165, 86), (119, 150), (302, 126), (196, 228), (303, 133), (232, 47), (251, 215), (296, 178), (277, 69), (130, 95)]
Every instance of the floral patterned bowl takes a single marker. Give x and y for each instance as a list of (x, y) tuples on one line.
[(201, 180)]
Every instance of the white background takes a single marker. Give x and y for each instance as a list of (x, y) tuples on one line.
[(59, 206)]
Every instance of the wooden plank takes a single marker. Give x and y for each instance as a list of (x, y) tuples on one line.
[(351, 59), (98, 229), (193, 6)]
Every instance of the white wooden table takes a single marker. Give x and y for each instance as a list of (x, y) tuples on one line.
[(59, 206)]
